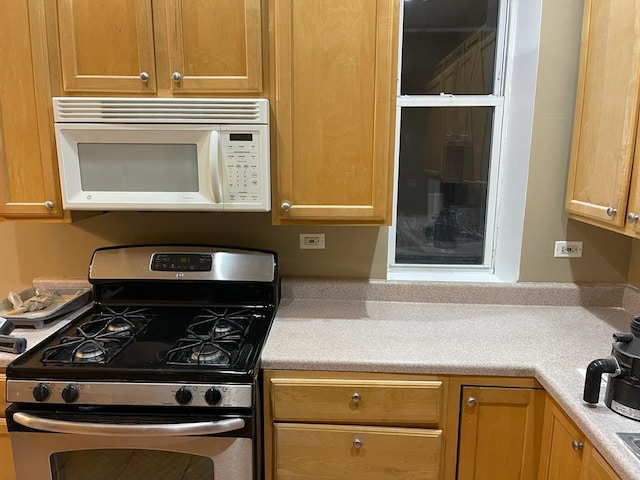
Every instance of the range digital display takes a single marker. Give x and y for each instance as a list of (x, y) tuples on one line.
[(177, 262)]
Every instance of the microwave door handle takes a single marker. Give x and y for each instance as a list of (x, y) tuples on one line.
[(157, 430), (215, 166)]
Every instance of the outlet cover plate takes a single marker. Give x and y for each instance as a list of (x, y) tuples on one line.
[(566, 249), (312, 241)]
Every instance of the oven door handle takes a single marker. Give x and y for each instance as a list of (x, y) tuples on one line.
[(156, 430)]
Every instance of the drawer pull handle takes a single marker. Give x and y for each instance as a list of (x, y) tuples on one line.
[(357, 443), (611, 211), (633, 217), (577, 445), (472, 402), (355, 398)]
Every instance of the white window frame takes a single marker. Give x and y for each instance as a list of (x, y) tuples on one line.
[(520, 21)]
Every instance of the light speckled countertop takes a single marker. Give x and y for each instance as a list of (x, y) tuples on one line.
[(551, 343)]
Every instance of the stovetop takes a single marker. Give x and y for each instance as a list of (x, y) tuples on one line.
[(153, 344)]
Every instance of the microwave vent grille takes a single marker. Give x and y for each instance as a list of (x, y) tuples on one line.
[(160, 110)]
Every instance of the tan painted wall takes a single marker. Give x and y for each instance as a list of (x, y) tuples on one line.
[(634, 268), (606, 255), (28, 250)]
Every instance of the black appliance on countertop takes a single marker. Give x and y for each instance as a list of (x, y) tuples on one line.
[(175, 336), (623, 386)]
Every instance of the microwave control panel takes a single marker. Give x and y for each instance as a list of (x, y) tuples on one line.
[(245, 160)]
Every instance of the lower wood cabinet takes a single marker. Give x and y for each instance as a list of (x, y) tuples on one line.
[(500, 433), (309, 451), (334, 425), (340, 425), (566, 454)]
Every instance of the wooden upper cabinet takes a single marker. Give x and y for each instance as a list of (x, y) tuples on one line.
[(334, 75), (213, 45), (107, 46), (29, 184), (606, 115), (160, 46)]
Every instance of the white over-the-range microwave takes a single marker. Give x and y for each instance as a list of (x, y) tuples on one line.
[(174, 154)]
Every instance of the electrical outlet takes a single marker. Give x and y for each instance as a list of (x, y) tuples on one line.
[(568, 249), (312, 241)]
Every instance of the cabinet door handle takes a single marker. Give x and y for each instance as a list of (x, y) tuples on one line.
[(633, 217), (472, 402), (577, 445), (357, 443), (355, 398), (49, 205), (285, 207), (612, 211), (144, 77), (176, 77)]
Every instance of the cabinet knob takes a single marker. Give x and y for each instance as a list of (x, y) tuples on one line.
[(355, 398), (633, 217), (176, 77), (357, 443), (49, 205), (577, 445), (472, 402), (612, 211), (285, 207), (144, 77)]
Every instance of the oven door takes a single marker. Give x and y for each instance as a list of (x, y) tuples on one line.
[(116, 445)]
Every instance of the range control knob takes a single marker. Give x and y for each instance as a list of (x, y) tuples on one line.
[(183, 396), (213, 396), (41, 392), (70, 393)]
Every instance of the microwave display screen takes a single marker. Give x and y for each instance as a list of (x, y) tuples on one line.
[(138, 167), (241, 137)]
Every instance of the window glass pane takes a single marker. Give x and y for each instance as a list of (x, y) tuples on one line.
[(442, 185), (148, 167), (129, 464), (449, 46)]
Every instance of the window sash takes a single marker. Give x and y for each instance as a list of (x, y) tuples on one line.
[(485, 271)]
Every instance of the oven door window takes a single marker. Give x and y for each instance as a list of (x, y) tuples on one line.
[(129, 464)]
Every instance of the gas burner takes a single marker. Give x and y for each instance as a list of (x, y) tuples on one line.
[(127, 319), (210, 354), (226, 323), (214, 338), (99, 339), (89, 351)]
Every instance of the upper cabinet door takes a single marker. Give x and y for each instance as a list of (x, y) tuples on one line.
[(106, 46), (334, 104), (606, 115), (212, 45), (29, 185)]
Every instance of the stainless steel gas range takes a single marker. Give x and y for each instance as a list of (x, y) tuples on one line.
[(160, 380)]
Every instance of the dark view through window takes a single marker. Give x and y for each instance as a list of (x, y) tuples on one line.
[(449, 47)]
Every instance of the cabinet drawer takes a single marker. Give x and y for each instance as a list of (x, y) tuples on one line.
[(305, 451), (379, 402)]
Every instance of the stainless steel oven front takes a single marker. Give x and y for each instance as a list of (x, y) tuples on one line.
[(117, 445)]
